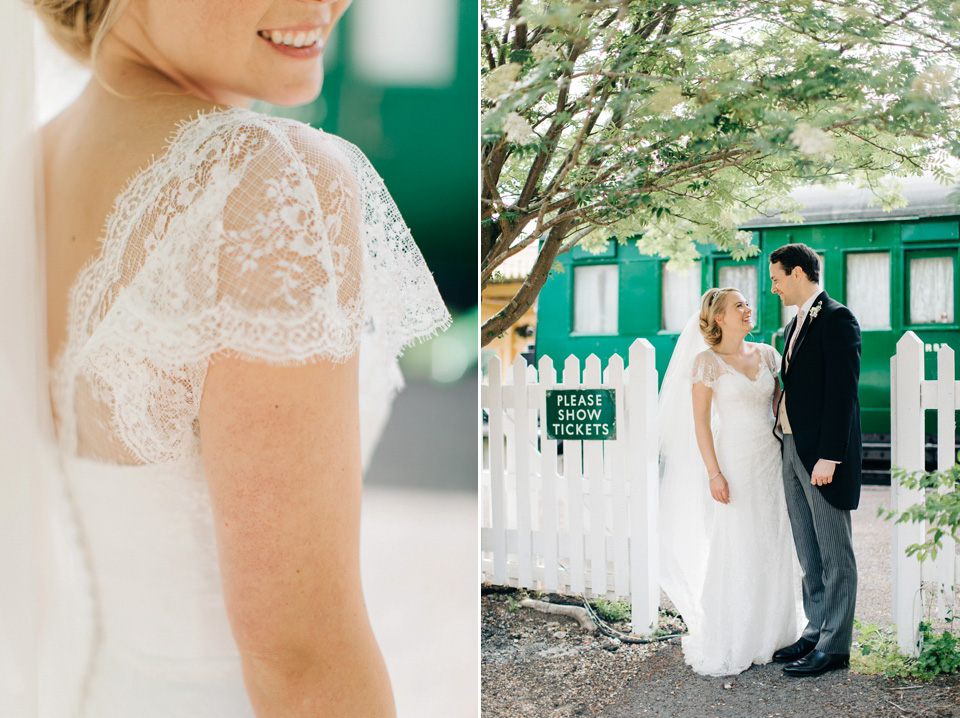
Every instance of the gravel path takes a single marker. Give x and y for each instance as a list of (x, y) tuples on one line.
[(533, 664)]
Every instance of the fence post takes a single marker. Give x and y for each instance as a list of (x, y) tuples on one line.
[(593, 471), (644, 486), (497, 490), (617, 459), (573, 473), (549, 478), (946, 561), (908, 418), (521, 450)]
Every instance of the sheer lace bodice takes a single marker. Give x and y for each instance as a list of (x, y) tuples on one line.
[(251, 235), (738, 399)]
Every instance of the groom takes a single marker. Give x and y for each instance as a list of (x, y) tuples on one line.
[(818, 421)]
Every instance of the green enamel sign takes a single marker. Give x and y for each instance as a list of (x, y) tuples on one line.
[(582, 414)]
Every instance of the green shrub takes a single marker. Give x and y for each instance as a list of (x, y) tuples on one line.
[(876, 653), (612, 611)]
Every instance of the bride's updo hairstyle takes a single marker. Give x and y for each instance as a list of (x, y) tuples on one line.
[(712, 304), (79, 26)]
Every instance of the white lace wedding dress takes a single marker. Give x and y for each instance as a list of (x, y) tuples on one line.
[(251, 235), (746, 598)]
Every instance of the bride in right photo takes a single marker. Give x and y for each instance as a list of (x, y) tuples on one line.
[(727, 557)]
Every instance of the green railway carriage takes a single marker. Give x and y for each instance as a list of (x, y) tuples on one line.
[(897, 271)]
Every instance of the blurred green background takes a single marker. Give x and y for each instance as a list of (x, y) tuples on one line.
[(401, 84)]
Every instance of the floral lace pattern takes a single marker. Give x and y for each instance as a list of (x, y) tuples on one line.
[(251, 236), (708, 367)]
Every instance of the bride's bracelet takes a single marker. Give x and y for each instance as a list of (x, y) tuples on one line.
[(715, 476)]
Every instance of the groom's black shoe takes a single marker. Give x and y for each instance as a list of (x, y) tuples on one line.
[(816, 663), (795, 651)]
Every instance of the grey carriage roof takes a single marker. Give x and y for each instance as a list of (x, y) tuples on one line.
[(843, 204)]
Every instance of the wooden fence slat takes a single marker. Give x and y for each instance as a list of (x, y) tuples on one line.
[(497, 491), (521, 424), (615, 456), (573, 472), (593, 468), (644, 486), (549, 477), (946, 561), (910, 456)]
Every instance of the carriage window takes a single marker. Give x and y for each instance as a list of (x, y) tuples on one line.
[(680, 296), (742, 277), (931, 290), (868, 288), (595, 298), (788, 313)]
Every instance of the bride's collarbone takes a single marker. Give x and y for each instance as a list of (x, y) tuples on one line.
[(747, 362)]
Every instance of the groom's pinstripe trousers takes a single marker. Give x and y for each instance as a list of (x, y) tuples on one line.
[(824, 541)]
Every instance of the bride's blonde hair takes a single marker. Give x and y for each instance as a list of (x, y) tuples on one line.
[(79, 26), (712, 304)]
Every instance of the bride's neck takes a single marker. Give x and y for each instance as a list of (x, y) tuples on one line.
[(729, 345)]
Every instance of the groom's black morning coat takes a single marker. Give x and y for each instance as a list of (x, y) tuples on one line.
[(820, 388)]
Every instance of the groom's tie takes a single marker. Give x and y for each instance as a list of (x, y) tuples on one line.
[(801, 315)]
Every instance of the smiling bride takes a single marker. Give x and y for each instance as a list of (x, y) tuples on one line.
[(727, 557)]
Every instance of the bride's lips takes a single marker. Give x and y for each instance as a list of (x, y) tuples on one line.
[(285, 40)]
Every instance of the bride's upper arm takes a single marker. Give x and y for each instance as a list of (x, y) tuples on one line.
[(278, 415), (280, 448)]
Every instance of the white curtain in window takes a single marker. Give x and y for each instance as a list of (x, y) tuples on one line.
[(931, 290), (411, 43), (680, 296), (788, 313), (742, 277), (595, 298), (868, 288)]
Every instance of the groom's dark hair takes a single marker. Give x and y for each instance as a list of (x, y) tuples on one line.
[(798, 255)]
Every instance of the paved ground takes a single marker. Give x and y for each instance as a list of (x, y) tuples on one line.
[(537, 665), (430, 441), (419, 546), (419, 559)]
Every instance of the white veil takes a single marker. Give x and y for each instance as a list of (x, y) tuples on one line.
[(686, 507), (22, 368), (37, 634)]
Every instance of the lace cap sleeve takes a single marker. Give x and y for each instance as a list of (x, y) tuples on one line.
[(705, 369), (284, 247), (771, 357)]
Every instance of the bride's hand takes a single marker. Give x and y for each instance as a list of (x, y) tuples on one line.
[(719, 489)]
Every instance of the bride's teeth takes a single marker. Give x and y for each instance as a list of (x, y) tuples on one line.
[(301, 38)]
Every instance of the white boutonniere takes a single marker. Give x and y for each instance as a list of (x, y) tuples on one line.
[(815, 310)]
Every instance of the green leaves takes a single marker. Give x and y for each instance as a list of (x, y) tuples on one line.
[(684, 117), (875, 652), (939, 509)]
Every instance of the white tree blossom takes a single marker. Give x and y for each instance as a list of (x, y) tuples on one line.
[(518, 129), (811, 141), (932, 81), (498, 82)]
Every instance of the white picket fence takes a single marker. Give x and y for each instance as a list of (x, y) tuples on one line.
[(584, 522), (911, 396)]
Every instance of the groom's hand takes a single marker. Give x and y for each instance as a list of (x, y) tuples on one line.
[(822, 472)]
